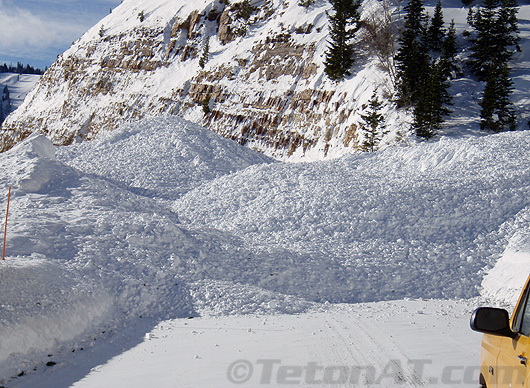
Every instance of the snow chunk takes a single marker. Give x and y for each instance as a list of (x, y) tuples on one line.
[(38, 146), (35, 159)]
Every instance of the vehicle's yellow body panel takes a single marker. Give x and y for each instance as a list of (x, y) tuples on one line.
[(502, 358)]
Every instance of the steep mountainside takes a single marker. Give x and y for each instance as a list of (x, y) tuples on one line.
[(261, 76), (264, 76)]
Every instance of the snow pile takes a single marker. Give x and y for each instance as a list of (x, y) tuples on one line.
[(160, 157), (103, 255), (192, 224), (418, 221)]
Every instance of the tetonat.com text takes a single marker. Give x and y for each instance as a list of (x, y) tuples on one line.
[(395, 372)]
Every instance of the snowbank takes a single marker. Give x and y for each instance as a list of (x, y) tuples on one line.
[(506, 280), (43, 304)]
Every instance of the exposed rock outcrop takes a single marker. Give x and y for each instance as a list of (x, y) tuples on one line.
[(264, 78)]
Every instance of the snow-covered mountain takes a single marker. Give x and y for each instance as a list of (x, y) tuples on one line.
[(266, 87), (13, 91), (264, 77)]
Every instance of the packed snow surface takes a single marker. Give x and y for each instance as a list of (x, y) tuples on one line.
[(165, 220), (383, 344)]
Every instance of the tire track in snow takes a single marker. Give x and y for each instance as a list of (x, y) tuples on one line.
[(372, 351)]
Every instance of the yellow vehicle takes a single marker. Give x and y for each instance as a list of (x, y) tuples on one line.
[(505, 345)]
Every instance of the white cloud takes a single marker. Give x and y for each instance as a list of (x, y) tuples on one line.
[(43, 29), (25, 34)]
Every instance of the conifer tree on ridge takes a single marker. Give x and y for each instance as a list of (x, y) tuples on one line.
[(344, 23), (412, 57)]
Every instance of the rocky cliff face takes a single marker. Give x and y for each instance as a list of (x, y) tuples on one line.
[(262, 82)]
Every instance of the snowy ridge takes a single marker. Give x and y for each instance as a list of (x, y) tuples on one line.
[(266, 87)]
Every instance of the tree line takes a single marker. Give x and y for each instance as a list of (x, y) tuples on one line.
[(426, 62), (20, 69)]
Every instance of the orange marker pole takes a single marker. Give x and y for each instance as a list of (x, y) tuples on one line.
[(5, 230)]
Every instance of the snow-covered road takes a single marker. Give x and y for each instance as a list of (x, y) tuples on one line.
[(413, 343)]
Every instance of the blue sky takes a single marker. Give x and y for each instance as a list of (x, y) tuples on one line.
[(36, 31)]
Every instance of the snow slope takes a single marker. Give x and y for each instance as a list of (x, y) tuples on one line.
[(102, 248), (19, 85)]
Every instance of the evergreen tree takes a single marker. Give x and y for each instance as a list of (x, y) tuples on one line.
[(497, 113), (306, 3), (373, 126), (344, 23), (431, 107), (20, 69), (205, 53), (412, 57), (436, 31), (509, 27), (496, 37), (483, 21), (449, 51)]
